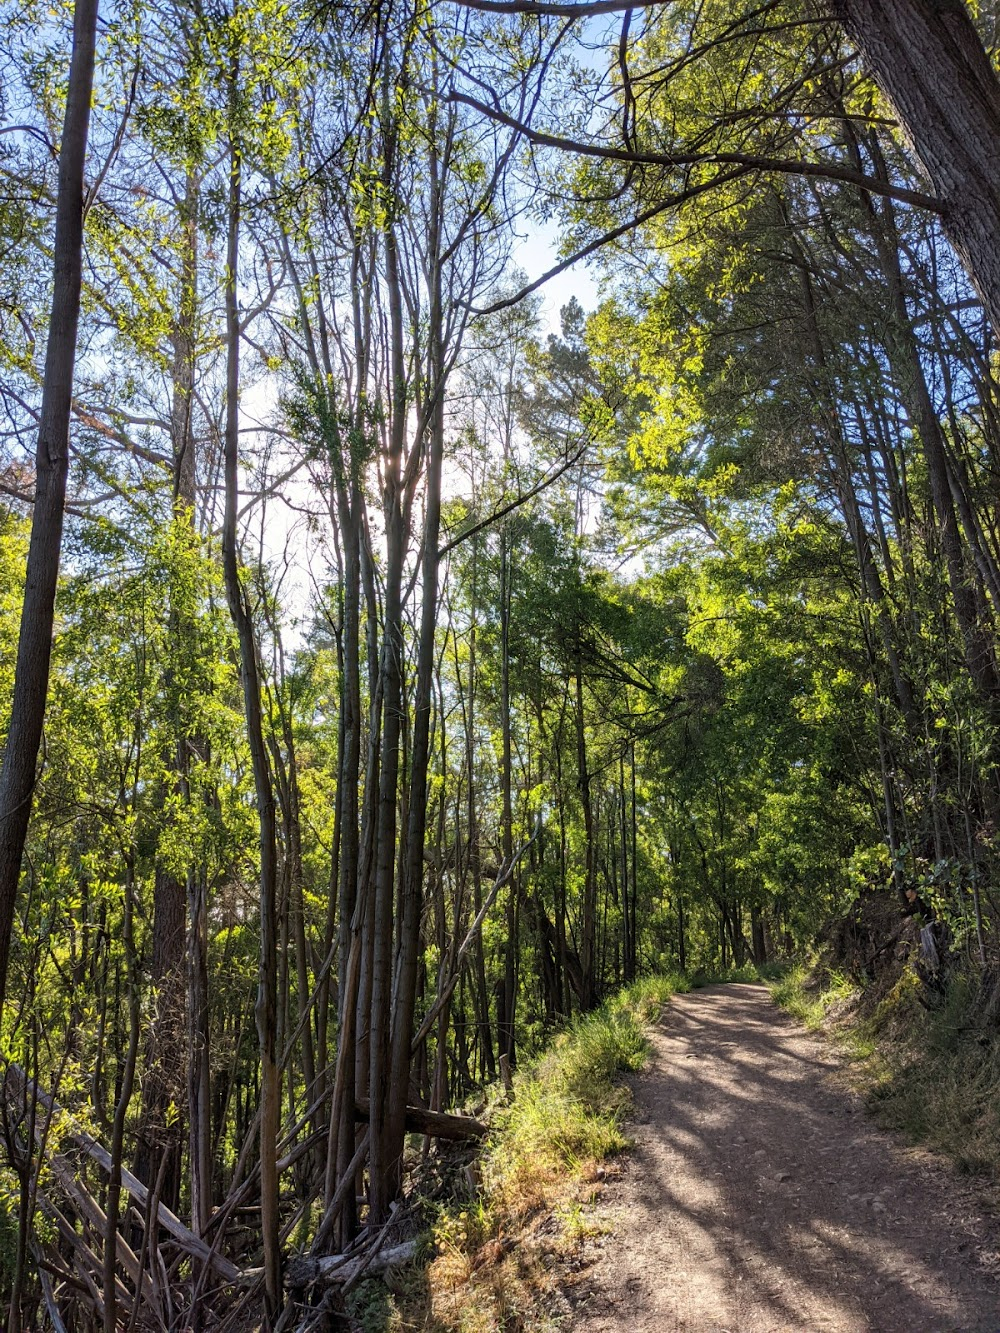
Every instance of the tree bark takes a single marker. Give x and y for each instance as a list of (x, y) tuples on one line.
[(34, 648), (267, 977), (167, 1053), (928, 59), (588, 929)]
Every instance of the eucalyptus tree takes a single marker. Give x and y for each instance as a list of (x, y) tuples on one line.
[(385, 263), (930, 61), (17, 776), (439, 247)]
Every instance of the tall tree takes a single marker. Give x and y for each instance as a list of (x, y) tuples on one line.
[(34, 649)]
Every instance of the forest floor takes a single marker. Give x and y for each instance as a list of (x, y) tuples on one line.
[(760, 1198)]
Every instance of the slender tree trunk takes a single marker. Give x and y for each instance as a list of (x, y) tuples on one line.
[(588, 928), (171, 1053), (127, 1080), (384, 1166), (408, 952), (635, 866), (267, 978), (505, 1024), (198, 1079), (480, 990), (34, 648), (348, 802)]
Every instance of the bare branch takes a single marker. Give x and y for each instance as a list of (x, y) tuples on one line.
[(747, 161)]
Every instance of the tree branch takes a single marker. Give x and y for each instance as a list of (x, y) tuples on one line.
[(516, 503), (745, 161)]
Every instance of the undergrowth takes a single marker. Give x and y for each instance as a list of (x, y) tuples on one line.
[(927, 1065), (747, 972), (542, 1166), (809, 995)]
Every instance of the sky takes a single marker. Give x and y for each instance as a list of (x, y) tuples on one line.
[(537, 251), (284, 534)]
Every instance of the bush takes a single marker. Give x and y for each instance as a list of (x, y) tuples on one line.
[(931, 1072)]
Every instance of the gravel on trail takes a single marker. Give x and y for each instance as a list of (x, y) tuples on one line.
[(760, 1198)]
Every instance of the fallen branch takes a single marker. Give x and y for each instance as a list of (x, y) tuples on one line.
[(434, 1123), (17, 1084), (347, 1184), (48, 1295), (91, 1212)]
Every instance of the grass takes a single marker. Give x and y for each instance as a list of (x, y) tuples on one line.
[(928, 1066), (749, 972), (808, 997), (497, 1250)]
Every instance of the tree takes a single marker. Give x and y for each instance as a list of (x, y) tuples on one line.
[(930, 62), (928, 59), (17, 776)]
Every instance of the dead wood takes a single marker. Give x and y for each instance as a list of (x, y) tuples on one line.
[(342, 1268), (18, 1085), (419, 1120)]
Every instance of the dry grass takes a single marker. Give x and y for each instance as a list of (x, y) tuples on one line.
[(499, 1251)]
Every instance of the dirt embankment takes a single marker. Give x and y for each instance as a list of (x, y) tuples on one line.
[(760, 1199)]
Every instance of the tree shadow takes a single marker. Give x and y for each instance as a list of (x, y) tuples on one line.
[(764, 1199)]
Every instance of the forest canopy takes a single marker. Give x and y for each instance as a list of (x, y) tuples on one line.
[(391, 671)]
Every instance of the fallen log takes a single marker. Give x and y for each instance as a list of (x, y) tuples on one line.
[(17, 1084), (90, 1211), (341, 1268), (48, 1296), (436, 1124)]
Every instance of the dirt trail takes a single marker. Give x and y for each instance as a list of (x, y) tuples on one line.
[(759, 1198)]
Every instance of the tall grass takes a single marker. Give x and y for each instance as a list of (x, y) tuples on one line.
[(540, 1166)]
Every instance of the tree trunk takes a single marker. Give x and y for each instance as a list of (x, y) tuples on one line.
[(267, 977), (928, 59), (168, 1053), (505, 1019), (588, 926), (384, 1168), (34, 648)]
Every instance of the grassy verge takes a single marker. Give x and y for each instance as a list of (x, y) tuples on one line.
[(930, 1069), (810, 996), (498, 1250), (749, 972)]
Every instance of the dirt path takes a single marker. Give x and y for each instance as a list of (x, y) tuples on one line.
[(759, 1198)]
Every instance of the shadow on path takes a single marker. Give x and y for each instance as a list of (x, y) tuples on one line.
[(760, 1198)]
